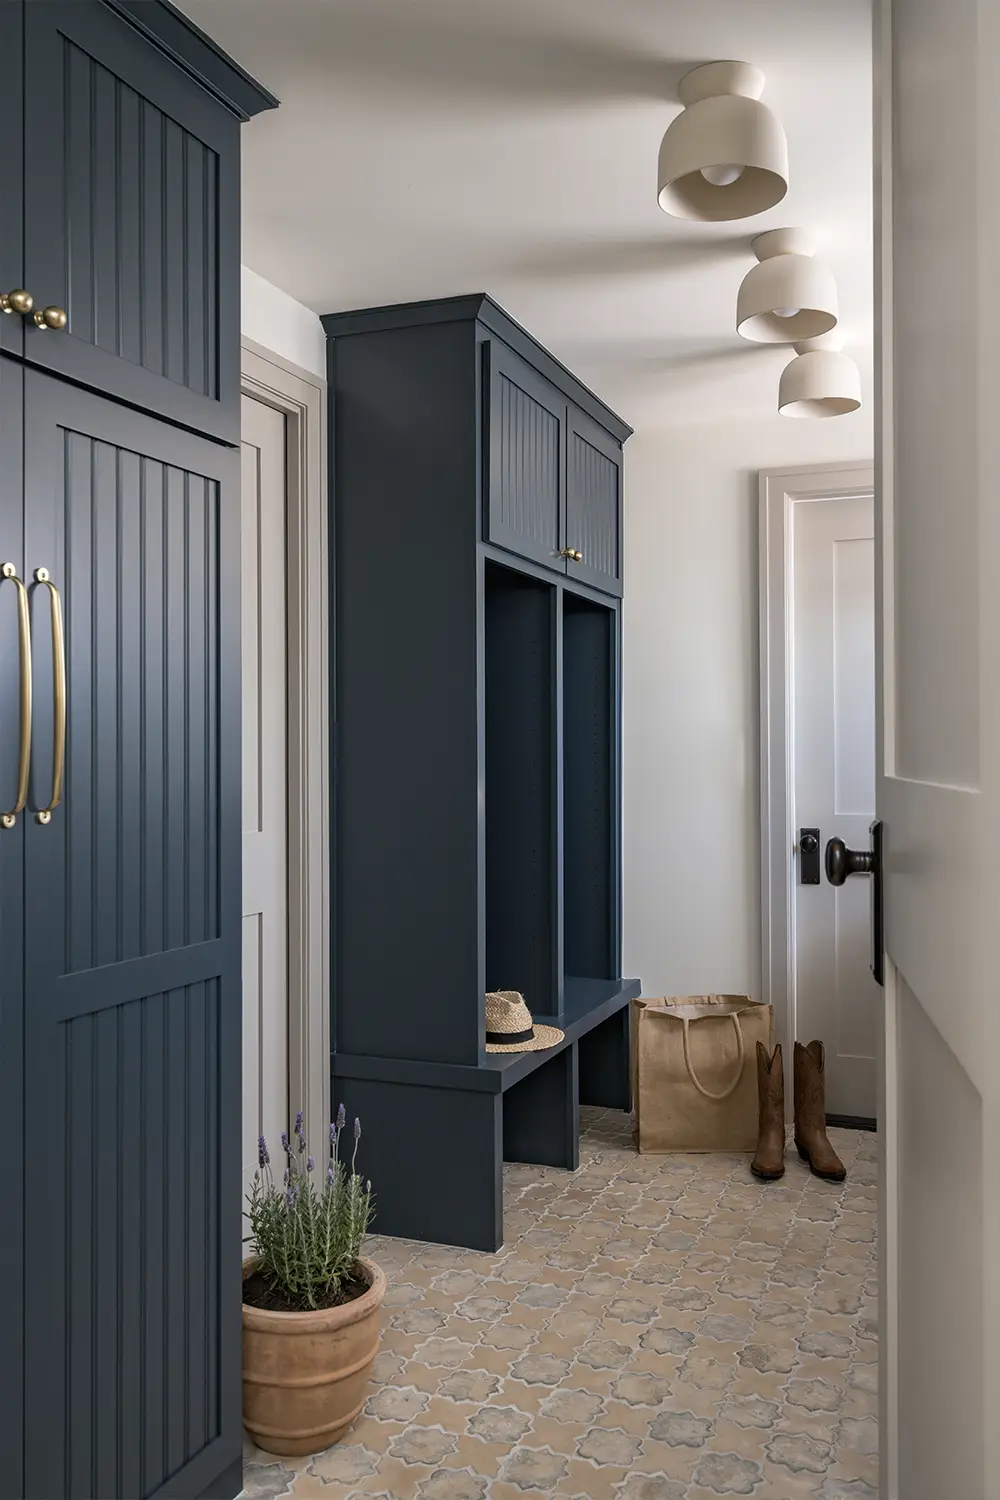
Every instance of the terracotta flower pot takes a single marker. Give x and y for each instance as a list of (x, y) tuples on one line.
[(305, 1374)]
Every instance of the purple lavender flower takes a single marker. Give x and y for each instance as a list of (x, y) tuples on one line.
[(284, 1141), (286, 1176), (341, 1117), (357, 1128), (262, 1155), (329, 1174), (290, 1197), (333, 1134), (310, 1165)]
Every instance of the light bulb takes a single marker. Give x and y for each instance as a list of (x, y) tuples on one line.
[(722, 176), (787, 312)]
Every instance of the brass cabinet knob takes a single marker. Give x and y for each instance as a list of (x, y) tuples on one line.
[(51, 317), (578, 557), (566, 552), (16, 301)]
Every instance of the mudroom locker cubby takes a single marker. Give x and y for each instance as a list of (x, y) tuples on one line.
[(120, 825), (477, 554)]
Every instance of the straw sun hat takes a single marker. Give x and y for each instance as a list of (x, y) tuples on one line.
[(509, 1027)]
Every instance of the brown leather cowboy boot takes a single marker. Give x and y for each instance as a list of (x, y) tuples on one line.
[(769, 1158), (810, 1113)]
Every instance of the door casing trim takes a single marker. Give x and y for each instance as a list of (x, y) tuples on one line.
[(302, 398), (780, 490)]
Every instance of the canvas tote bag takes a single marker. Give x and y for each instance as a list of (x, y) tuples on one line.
[(696, 1071)]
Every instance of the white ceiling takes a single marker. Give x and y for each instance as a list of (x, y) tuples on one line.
[(425, 148)]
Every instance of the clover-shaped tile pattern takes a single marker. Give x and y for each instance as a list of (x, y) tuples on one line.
[(655, 1328)]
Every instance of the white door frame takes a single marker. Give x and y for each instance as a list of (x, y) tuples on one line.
[(301, 397), (780, 491)]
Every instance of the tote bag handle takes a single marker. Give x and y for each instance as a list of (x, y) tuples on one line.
[(740, 1062)]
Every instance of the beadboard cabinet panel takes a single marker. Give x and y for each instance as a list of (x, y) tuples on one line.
[(594, 503), (131, 214), (132, 953), (526, 478)]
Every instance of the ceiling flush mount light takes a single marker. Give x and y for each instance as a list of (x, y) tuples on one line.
[(789, 296), (725, 155), (820, 381)]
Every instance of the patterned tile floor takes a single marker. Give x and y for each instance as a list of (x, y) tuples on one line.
[(655, 1328)]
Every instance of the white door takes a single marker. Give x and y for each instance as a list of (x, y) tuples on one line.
[(265, 791), (833, 769), (938, 788)]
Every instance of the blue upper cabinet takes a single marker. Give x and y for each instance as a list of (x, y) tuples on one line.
[(131, 216), (526, 485), (553, 470), (593, 503)]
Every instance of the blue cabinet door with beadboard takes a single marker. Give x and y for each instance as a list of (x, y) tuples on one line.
[(120, 914), (593, 503)]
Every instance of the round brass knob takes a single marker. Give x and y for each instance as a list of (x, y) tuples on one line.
[(51, 317), (17, 301), (578, 556)]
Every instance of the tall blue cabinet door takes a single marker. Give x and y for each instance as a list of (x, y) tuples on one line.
[(12, 156), (526, 420), (131, 208), (12, 729), (132, 957), (593, 503)]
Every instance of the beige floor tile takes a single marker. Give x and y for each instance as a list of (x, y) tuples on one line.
[(655, 1328)]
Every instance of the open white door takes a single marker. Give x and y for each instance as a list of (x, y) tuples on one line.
[(938, 791)]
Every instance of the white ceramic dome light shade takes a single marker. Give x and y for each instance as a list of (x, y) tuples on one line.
[(789, 296), (723, 127), (819, 383)]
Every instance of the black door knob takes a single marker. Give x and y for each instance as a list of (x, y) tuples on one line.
[(841, 862)]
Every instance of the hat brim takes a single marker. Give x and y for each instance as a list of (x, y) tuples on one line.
[(545, 1036)]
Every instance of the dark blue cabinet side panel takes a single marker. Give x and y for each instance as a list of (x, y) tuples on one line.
[(132, 961), (131, 218), (408, 901), (11, 938)]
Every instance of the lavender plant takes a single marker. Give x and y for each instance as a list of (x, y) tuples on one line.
[(308, 1236)]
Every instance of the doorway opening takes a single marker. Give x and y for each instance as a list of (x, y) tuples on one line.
[(286, 902), (817, 714)]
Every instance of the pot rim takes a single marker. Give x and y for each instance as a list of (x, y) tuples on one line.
[(320, 1319)]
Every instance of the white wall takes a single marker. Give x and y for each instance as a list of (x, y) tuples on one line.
[(691, 754), (272, 318)]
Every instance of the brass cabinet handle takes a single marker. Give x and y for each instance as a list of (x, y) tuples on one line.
[(571, 554), (578, 556), (9, 570), (50, 317), (16, 301), (44, 815)]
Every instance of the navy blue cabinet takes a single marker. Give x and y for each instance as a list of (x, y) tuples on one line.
[(526, 486), (132, 971), (131, 221), (120, 791), (553, 475), (593, 503), (476, 829)]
